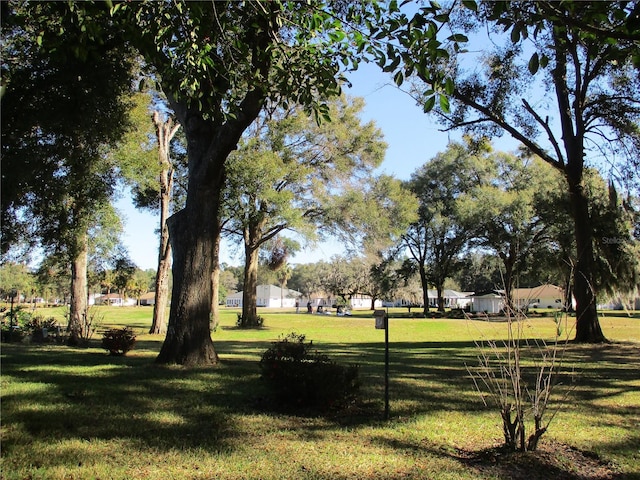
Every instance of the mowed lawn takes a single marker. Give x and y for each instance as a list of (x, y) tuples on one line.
[(77, 413)]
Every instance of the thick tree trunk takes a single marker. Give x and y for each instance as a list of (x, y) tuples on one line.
[(249, 293), (193, 232), (79, 296), (572, 121), (588, 328)]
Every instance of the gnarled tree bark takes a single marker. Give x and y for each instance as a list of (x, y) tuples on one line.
[(165, 131)]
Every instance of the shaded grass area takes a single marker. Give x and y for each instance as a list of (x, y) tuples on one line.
[(79, 413)]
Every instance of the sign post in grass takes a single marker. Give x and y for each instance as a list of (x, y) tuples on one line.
[(382, 322)]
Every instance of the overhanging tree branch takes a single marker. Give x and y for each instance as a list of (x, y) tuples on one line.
[(514, 132)]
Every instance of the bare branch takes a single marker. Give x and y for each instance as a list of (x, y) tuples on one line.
[(550, 135)]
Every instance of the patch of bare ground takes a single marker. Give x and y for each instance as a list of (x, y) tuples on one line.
[(552, 460)]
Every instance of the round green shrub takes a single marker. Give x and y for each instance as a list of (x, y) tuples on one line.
[(301, 377), (118, 341)]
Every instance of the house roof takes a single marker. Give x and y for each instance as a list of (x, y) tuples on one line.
[(541, 291), (447, 294), (490, 294)]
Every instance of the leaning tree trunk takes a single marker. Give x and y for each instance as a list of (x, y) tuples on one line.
[(79, 296), (165, 131), (158, 324), (161, 296)]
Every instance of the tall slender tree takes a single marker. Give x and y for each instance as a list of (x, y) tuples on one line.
[(583, 59), (152, 161), (63, 107), (166, 129)]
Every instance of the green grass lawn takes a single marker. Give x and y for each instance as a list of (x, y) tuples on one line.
[(79, 413)]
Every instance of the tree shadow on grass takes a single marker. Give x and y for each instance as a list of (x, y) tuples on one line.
[(429, 377), (59, 393), (552, 460), (66, 394)]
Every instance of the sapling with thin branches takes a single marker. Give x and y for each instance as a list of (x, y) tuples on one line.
[(519, 376)]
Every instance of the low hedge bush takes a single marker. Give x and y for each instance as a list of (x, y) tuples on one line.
[(118, 341), (301, 377)]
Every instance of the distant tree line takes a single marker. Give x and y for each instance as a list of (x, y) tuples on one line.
[(51, 285)]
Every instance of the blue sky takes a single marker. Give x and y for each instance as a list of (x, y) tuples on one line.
[(412, 137)]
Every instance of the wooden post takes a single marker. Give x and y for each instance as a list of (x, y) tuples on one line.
[(382, 321)]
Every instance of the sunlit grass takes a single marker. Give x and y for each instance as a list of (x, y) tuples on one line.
[(79, 413)]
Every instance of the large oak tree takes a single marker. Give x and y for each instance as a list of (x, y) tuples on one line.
[(582, 57), (289, 174), (218, 63)]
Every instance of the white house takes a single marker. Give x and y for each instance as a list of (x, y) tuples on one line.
[(355, 302), (363, 301), (488, 302), (268, 296), (452, 299), (115, 300), (148, 298), (542, 296)]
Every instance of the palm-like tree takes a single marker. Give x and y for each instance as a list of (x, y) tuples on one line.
[(283, 275)]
